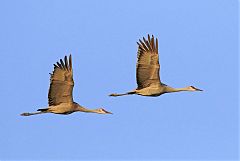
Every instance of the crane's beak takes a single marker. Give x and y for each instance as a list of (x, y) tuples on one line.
[(198, 89), (107, 112)]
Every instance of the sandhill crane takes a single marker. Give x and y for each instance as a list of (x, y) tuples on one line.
[(148, 79), (60, 98)]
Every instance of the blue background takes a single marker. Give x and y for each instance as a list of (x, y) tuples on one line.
[(198, 45)]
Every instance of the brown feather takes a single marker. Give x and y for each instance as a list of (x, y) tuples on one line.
[(63, 65), (59, 65), (140, 46), (70, 62), (143, 45), (147, 44), (66, 63), (152, 43), (156, 45)]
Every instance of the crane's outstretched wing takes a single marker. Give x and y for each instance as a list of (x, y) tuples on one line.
[(61, 83), (147, 63)]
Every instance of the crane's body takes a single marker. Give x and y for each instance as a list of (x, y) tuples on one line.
[(60, 98), (148, 67), (154, 90), (157, 90)]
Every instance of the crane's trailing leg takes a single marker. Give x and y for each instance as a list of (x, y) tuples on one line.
[(128, 93), (32, 113), (40, 111)]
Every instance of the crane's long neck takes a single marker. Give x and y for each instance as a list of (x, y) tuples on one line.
[(170, 89), (83, 109)]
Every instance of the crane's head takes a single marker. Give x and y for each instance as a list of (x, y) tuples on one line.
[(192, 88), (102, 111)]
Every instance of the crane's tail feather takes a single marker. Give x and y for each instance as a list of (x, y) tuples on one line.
[(43, 109), (128, 93)]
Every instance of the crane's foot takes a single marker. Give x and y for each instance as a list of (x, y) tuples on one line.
[(114, 94), (25, 114)]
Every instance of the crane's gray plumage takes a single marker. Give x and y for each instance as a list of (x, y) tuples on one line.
[(148, 67), (60, 99)]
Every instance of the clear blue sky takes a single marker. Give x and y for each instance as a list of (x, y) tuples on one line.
[(198, 45)]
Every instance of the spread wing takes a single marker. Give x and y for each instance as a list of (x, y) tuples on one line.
[(61, 82), (147, 63)]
